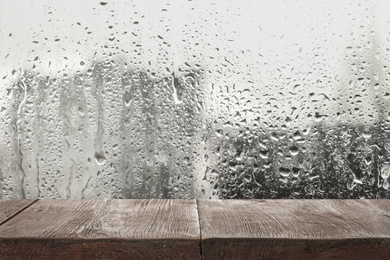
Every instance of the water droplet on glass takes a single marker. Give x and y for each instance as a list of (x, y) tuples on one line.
[(100, 158)]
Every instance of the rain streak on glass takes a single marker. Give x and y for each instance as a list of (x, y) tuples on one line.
[(189, 99)]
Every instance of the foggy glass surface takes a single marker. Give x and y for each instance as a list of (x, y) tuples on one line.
[(194, 99)]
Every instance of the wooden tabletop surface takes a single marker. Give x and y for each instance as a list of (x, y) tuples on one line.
[(295, 229), (10, 208), (194, 229)]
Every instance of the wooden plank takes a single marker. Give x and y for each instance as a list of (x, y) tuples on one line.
[(9, 208), (103, 229), (295, 229)]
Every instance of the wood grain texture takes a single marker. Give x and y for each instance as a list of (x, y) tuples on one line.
[(103, 229), (295, 229), (296, 249), (9, 208), (169, 229)]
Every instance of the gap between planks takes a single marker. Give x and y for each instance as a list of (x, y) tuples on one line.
[(200, 230), (17, 212)]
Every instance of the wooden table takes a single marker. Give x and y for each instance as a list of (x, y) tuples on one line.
[(194, 229)]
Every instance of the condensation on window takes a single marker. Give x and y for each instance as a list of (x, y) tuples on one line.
[(194, 99)]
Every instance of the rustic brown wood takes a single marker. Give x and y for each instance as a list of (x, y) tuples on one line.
[(295, 229), (9, 208), (103, 229), (169, 229)]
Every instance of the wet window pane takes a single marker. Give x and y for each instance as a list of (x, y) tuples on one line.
[(194, 99)]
